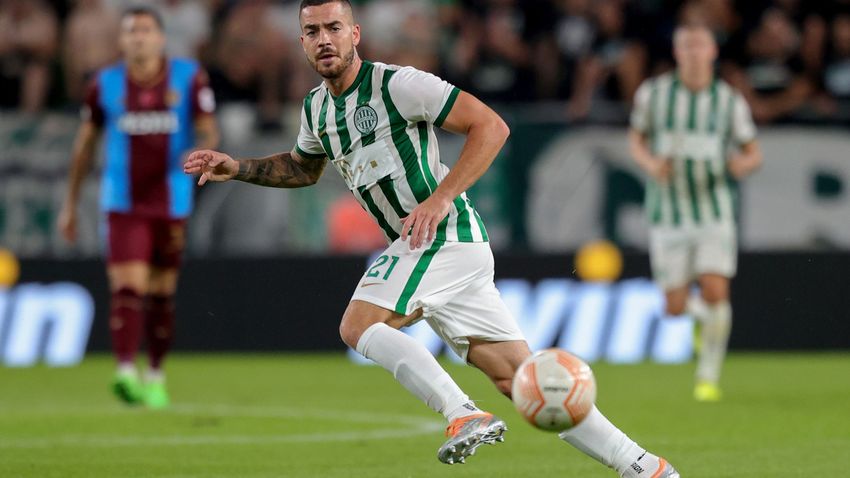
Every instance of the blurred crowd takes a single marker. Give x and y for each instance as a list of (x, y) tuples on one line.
[(790, 58)]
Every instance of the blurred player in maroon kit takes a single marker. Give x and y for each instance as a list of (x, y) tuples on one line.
[(152, 111)]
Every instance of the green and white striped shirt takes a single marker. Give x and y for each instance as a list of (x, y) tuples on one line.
[(379, 134), (695, 129)]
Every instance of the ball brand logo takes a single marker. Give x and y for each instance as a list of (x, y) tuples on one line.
[(139, 123), (38, 321), (365, 119)]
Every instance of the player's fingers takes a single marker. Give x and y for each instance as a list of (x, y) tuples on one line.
[(416, 234), (432, 227), (198, 157), (426, 231), (215, 161), (194, 163), (405, 227), (203, 179)]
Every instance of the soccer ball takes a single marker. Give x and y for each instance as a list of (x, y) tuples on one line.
[(554, 390)]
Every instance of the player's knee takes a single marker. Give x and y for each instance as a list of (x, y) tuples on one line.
[(349, 333), (675, 307), (714, 296)]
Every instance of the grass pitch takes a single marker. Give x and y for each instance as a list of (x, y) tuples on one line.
[(321, 416)]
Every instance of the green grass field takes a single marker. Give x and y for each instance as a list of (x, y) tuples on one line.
[(320, 416)]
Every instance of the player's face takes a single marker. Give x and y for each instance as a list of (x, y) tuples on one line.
[(141, 37), (695, 49), (329, 37)]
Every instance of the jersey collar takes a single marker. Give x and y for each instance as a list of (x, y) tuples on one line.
[(338, 100)]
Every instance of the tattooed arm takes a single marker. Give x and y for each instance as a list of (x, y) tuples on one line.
[(282, 170)]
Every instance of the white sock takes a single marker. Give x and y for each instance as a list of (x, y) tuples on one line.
[(154, 376), (127, 368), (598, 438), (697, 308), (716, 327), (416, 369)]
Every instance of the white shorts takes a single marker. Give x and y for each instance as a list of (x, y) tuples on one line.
[(452, 282), (680, 255)]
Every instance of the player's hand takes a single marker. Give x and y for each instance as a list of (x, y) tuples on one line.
[(660, 169), (739, 166), (67, 222), (421, 225), (212, 166)]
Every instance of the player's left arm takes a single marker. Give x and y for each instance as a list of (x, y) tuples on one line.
[(203, 112), (746, 161), (486, 133), (749, 157)]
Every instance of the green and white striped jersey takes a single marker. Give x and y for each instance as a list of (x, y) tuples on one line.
[(379, 134), (695, 129)]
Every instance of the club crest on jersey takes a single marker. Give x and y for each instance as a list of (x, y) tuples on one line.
[(365, 119)]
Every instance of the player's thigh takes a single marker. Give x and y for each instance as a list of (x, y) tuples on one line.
[(404, 281), (717, 253), (168, 241), (498, 360), (130, 245), (671, 257), (714, 287), (477, 314)]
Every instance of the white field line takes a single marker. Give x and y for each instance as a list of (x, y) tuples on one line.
[(222, 410), (406, 426)]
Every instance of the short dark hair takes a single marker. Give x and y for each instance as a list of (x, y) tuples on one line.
[(143, 10), (316, 3)]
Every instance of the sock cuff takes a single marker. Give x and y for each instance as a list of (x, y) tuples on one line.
[(127, 297), (363, 343), (159, 302), (721, 310), (126, 292), (695, 306)]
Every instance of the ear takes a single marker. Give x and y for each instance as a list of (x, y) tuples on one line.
[(355, 34)]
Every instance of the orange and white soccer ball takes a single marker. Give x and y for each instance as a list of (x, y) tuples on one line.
[(554, 390)]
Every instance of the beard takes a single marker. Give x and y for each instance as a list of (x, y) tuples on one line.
[(334, 72)]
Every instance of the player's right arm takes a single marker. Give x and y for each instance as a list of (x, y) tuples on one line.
[(281, 170), (81, 163), (302, 166), (656, 167)]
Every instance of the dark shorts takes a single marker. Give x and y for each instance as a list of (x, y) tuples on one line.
[(156, 241)]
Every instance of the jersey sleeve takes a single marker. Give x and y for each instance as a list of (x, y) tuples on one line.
[(743, 127), (308, 145), (421, 96), (640, 120), (203, 98), (91, 109)]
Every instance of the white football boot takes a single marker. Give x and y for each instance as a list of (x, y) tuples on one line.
[(468, 433)]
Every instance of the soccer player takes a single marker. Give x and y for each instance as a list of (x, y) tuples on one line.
[(375, 123), (683, 126), (153, 110)]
